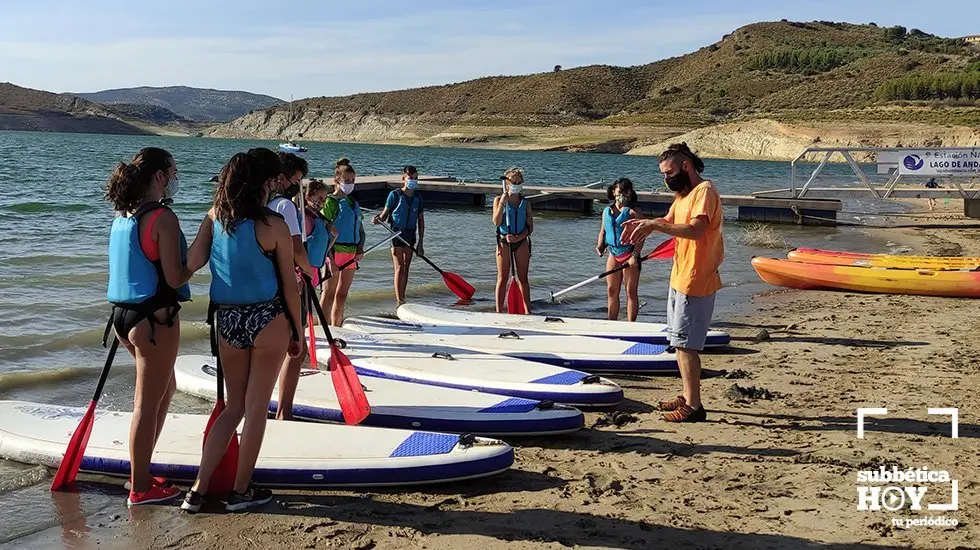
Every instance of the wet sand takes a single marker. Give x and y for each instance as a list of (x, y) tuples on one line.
[(761, 473)]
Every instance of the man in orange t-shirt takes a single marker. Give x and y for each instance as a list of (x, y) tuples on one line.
[(695, 219)]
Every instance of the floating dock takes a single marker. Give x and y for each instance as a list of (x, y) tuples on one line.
[(371, 191)]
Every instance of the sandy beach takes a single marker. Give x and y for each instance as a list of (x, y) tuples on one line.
[(773, 472)]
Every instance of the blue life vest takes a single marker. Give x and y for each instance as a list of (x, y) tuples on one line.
[(317, 241), (404, 210), (348, 221), (133, 278), (614, 230), (515, 219), (241, 272)]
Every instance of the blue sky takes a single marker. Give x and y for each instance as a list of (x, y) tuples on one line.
[(309, 48)]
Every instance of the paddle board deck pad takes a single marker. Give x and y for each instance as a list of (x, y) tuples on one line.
[(404, 405), (294, 454), (596, 355), (647, 333), (452, 367)]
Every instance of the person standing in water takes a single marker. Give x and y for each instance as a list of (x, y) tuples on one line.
[(255, 310), (345, 214), (147, 282), (695, 219), (404, 209), (320, 235), (622, 207), (514, 221)]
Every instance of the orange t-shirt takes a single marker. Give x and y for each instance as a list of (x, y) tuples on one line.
[(696, 262)]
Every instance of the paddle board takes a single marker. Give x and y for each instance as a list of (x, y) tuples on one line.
[(452, 367), (294, 454), (595, 355), (648, 333), (404, 405)]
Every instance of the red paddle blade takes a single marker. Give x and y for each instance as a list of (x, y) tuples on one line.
[(458, 286), (223, 479), (353, 403), (312, 342), (72, 460), (515, 300), (664, 250)]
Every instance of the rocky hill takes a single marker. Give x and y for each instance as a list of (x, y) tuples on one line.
[(197, 104), (785, 71), (28, 109)]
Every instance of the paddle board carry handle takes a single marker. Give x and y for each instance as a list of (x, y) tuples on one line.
[(510, 334), (591, 379), (553, 320), (443, 355)]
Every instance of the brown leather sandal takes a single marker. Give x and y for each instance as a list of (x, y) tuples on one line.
[(673, 404), (686, 414)]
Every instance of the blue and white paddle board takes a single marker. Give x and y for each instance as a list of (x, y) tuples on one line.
[(294, 454), (452, 367), (597, 355), (647, 333), (404, 405)]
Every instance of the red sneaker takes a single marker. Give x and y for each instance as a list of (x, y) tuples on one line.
[(154, 495), (155, 481)]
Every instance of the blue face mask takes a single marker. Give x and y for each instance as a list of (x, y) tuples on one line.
[(411, 183)]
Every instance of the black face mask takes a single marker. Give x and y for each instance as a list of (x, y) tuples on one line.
[(290, 191), (678, 182)]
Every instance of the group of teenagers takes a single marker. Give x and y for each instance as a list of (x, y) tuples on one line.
[(269, 243)]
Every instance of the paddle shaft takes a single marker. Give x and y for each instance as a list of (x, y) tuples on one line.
[(370, 248), (616, 269), (414, 250), (109, 357), (319, 313)]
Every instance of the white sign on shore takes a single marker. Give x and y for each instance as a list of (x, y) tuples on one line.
[(939, 162)]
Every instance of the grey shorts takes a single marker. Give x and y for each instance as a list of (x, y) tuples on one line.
[(688, 318)]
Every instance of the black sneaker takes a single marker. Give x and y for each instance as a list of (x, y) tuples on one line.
[(252, 497), (192, 502)]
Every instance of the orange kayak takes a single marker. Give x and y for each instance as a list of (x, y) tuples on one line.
[(929, 282), (857, 259)]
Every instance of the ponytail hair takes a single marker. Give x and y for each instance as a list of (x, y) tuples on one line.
[(676, 149), (129, 183), (240, 194)]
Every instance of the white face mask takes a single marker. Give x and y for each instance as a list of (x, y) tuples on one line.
[(516, 189), (173, 185), (346, 188)]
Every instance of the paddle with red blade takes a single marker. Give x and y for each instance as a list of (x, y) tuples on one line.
[(223, 479), (353, 403), (663, 251), (515, 298), (75, 451), (456, 284)]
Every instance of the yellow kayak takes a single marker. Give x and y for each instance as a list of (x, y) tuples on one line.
[(929, 282), (857, 259)]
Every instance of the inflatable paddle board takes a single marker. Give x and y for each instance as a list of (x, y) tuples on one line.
[(404, 405), (596, 355), (648, 333), (294, 454), (452, 367)]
